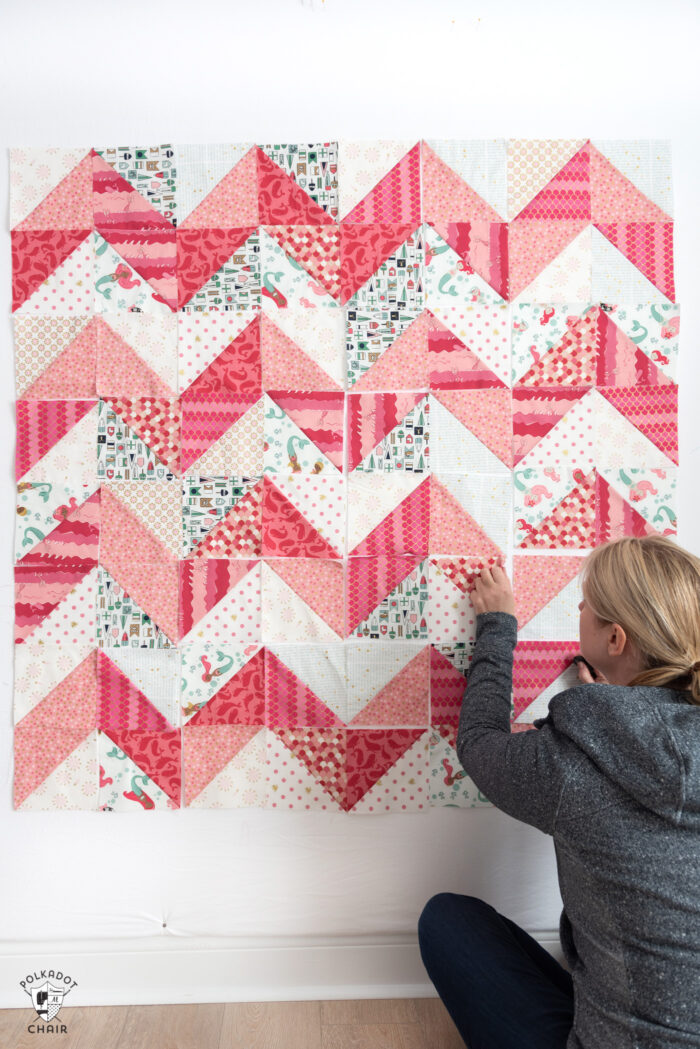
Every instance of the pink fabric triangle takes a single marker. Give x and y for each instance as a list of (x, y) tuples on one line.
[(124, 539), (404, 700), (370, 580), (404, 530), (452, 528), (73, 373), (396, 198), (533, 244), (572, 360), (319, 583), (319, 416), (206, 418), (447, 687), (370, 754), (485, 413), (447, 197), (201, 253), (363, 249), (207, 749), (74, 541), (121, 705), (36, 254), (121, 370), (615, 517), (537, 411), (620, 361), (154, 587), (453, 365), (68, 205), (158, 754), (652, 409), (55, 727), (281, 201), (537, 580), (614, 198), (232, 202), (285, 364), (117, 205), (203, 584), (567, 195), (286, 530), (371, 417), (241, 701), (41, 425), (290, 703), (648, 246), (405, 362), (235, 372), (536, 664)]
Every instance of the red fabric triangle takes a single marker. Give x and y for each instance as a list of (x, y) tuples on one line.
[(290, 702), (39, 590), (207, 418), (281, 201), (370, 580), (120, 704), (536, 664), (362, 251), (203, 583), (453, 366), (615, 517), (36, 254), (570, 524), (236, 371), (483, 248), (41, 425), (396, 198), (156, 421), (152, 253), (232, 202), (73, 373), (572, 362), (566, 196), (371, 753), (649, 247), (158, 754), (239, 533), (404, 530), (241, 701), (316, 249), (319, 416), (620, 361), (284, 364), (74, 541), (447, 687), (117, 205), (284, 524), (322, 752), (652, 409), (201, 253), (537, 411), (68, 205), (371, 417)]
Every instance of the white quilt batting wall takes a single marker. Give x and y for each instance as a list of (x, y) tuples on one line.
[(264, 904)]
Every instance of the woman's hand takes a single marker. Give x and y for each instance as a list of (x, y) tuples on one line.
[(585, 676), (492, 591)]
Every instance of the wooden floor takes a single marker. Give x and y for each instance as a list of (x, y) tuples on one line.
[(402, 1023)]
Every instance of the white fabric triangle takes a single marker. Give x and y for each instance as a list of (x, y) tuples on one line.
[(39, 341), (73, 457), (619, 442), (539, 707), (487, 499), (240, 784), (403, 787), (451, 616), (322, 669), (200, 658), (558, 620), (157, 506), (229, 619), (156, 673), (447, 284), (532, 163), (463, 792), (321, 500), (362, 164), (71, 785), (73, 620), (119, 775), (200, 169), (153, 336), (286, 616), (615, 279), (69, 287), (370, 668), (455, 449), (492, 345), (646, 163), (571, 442), (320, 333), (201, 337), (35, 172), (239, 451), (131, 292), (656, 495), (482, 163), (536, 328), (291, 784), (289, 278), (280, 429), (370, 503), (568, 276), (550, 493), (654, 328), (38, 669), (38, 507)]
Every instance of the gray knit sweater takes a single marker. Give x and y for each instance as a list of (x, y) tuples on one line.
[(613, 774)]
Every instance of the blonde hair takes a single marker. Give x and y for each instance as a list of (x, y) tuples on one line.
[(651, 587)]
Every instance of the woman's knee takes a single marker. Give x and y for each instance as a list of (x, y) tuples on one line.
[(445, 910)]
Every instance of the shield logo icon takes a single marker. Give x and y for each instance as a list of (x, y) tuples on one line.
[(47, 1000)]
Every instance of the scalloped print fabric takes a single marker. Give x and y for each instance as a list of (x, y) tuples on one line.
[(277, 405)]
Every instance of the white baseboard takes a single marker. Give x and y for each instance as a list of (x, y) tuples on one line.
[(149, 972)]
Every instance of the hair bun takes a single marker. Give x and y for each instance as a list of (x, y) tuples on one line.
[(696, 666)]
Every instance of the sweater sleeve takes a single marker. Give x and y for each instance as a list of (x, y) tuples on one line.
[(521, 773)]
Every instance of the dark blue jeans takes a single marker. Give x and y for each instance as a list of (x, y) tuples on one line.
[(501, 988)]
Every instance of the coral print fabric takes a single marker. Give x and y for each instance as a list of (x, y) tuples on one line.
[(277, 405)]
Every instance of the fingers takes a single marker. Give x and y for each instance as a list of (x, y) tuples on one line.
[(584, 674)]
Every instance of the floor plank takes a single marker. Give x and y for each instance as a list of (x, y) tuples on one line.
[(374, 1036), (369, 1011), (173, 1027), (271, 1025), (12, 1022), (440, 1032)]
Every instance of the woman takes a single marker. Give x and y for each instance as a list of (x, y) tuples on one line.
[(613, 774)]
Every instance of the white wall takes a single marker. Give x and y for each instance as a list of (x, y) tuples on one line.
[(241, 893)]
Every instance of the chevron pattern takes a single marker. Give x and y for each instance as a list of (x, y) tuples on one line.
[(277, 405)]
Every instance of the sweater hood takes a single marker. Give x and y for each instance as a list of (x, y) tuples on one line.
[(645, 739)]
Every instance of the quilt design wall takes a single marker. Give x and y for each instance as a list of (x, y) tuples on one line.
[(276, 405)]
